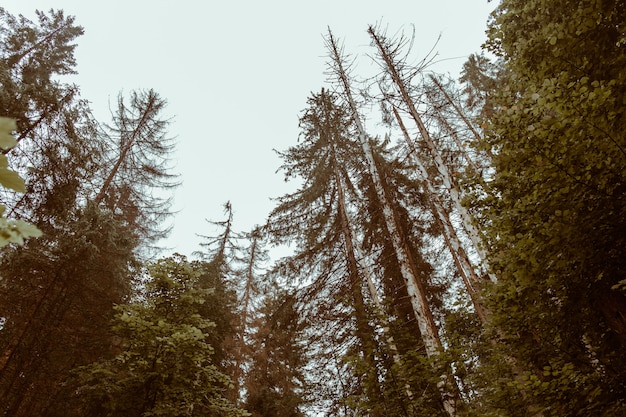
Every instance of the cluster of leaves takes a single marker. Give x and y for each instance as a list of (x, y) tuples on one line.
[(166, 366), (11, 231), (556, 216)]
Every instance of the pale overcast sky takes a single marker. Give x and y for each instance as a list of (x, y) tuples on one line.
[(236, 75)]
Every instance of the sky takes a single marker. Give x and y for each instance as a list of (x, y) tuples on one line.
[(236, 76)]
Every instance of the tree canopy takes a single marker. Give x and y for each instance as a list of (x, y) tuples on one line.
[(462, 255)]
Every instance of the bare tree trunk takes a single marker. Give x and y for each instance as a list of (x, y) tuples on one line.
[(461, 260), (415, 287), (448, 180)]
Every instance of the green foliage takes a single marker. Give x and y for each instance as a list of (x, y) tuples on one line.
[(556, 218), (11, 231), (56, 292), (33, 55), (166, 366), (57, 296), (314, 218)]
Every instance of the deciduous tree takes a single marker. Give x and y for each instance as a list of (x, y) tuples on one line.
[(556, 215), (166, 365)]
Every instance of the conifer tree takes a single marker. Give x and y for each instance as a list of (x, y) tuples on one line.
[(252, 260), (275, 383), (326, 160), (44, 285), (33, 54), (408, 267), (138, 162), (410, 206), (400, 75), (57, 294), (217, 258)]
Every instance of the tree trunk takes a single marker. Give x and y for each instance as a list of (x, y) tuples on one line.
[(459, 256)]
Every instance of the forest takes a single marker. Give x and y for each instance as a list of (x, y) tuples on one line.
[(465, 256)]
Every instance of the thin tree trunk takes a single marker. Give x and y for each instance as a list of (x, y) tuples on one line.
[(459, 256)]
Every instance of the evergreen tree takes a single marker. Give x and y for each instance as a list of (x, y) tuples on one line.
[(415, 286), (137, 164), (219, 257), (32, 55), (326, 159), (410, 207), (252, 260), (57, 313), (57, 294)]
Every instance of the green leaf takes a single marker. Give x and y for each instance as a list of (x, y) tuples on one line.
[(7, 126), (10, 179)]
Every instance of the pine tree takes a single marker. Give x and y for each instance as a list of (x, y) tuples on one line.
[(219, 257), (400, 76), (410, 206), (275, 384), (326, 161), (139, 152), (57, 293), (252, 260), (408, 267), (32, 56), (45, 282)]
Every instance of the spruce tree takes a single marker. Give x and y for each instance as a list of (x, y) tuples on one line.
[(327, 161), (275, 381), (57, 293)]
